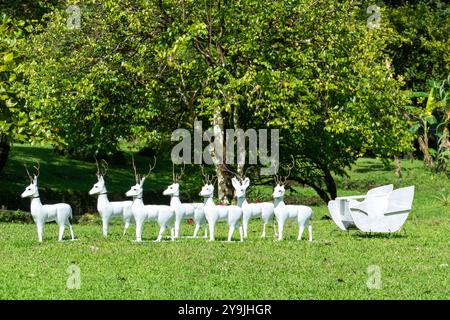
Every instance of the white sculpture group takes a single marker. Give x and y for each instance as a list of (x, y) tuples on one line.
[(383, 209)]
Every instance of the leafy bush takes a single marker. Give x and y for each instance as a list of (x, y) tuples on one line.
[(15, 216)]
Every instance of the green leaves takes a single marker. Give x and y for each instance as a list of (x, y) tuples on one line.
[(430, 120), (8, 57), (13, 120), (140, 67)]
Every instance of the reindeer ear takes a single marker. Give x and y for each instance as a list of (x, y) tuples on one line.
[(235, 182), (142, 181), (246, 182)]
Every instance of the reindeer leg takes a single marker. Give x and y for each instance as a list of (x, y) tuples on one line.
[(105, 227), (245, 223), (161, 231), (280, 230), (211, 230), (71, 232), (274, 225), (139, 224), (230, 232), (300, 231), (127, 225), (206, 231), (40, 229), (61, 231), (172, 234), (197, 227), (310, 232), (264, 230), (177, 226)]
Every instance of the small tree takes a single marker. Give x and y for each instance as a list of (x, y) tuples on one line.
[(433, 122)]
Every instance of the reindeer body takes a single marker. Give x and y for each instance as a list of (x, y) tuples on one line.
[(231, 214), (263, 210), (163, 215), (61, 213), (194, 211), (285, 212), (111, 209)]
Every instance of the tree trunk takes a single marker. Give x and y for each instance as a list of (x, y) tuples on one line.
[(4, 151), (331, 185), (225, 193), (398, 167), (240, 166), (423, 145)]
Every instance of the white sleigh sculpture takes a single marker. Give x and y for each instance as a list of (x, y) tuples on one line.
[(382, 210), (340, 207)]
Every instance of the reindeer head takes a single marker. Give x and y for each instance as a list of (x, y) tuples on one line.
[(138, 189), (279, 190), (174, 188), (32, 189), (208, 185), (207, 191), (99, 187), (240, 182), (240, 186)]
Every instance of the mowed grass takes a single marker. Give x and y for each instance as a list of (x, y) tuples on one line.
[(414, 264)]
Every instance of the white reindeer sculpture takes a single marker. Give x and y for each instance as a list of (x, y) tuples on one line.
[(284, 212), (213, 213), (184, 210), (60, 212), (107, 209), (163, 215), (263, 210)]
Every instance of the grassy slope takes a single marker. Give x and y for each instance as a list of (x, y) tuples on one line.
[(67, 174), (414, 263)]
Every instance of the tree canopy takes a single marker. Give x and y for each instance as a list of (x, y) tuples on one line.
[(335, 86)]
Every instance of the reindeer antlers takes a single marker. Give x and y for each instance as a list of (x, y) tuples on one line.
[(207, 179), (28, 173), (36, 168), (150, 169), (240, 177), (136, 176), (282, 180), (177, 177), (104, 165)]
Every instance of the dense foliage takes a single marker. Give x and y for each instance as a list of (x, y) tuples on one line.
[(136, 70)]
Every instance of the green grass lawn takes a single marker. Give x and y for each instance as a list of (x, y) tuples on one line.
[(414, 263)]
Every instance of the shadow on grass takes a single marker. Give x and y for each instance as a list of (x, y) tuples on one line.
[(372, 235), (371, 167)]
